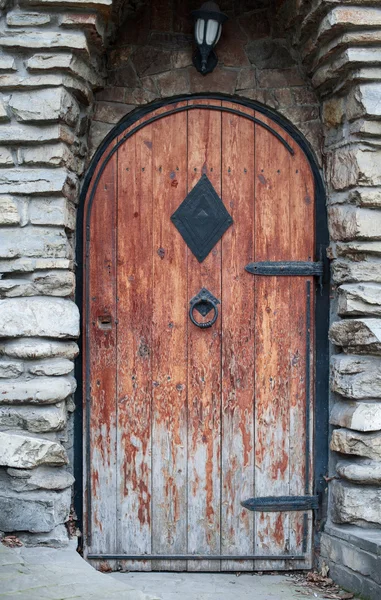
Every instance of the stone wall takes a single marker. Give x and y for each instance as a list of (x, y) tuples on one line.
[(50, 65), (341, 47), (151, 58)]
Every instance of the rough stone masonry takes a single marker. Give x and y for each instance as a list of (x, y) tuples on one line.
[(66, 68)]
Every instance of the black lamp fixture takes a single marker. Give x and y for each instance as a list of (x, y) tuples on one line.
[(207, 32)]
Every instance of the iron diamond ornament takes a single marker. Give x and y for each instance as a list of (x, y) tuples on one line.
[(202, 219)]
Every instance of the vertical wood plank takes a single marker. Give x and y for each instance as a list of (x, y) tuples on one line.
[(272, 295), (101, 349), (204, 356), (169, 343), (302, 242), (237, 524), (135, 305)]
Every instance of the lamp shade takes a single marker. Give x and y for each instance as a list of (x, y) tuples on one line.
[(208, 27)]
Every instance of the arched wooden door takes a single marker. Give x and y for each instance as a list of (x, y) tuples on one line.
[(184, 423)]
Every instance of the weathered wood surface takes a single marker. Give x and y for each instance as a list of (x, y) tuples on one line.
[(169, 339), (302, 248), (134, 367), (272, 364), (101, 274), (204, 361), (186, 423), (237, 472)]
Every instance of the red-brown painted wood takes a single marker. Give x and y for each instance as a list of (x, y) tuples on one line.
[(238, 185), (204, 361), (186, 423)]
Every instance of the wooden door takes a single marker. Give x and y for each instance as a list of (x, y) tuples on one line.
[(184, 423)]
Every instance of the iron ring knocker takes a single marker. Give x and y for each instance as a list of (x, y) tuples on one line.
[(204, 302)]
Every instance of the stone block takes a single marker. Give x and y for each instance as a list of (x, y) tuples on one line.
[(231, 53), (30, 134), (6, 157), (7, 63), (77, 4), (36, 419), (363, 128), (66, 62), (355, 443), (52, 211), (269, 54), (365, 471), (356, 377), (173, 83), (346, 271), (349, 580), (364, 100), (357, 336), (355, 250), (57, 538), (35, 348), (30, 40), (365, 539), (28, 265), (273, 78), (126, 77), (9, 214), (366, 196), (180, 59), (359, 299), (49, 367), (350, 166), (148, 60), (221, 80), (41, 390), (246, 79), (10, 369), (52, 155), (51, 104), (37, 316), (92, 23), (333, 111), (34, 242), (40, 283), (111, 112), (27, 19), (256, 25), (97, 134), (358, 505), (24, 452), (33, 511), (349, 222), (4, 116), (350, 58), (360, 416), (44, 478), (81, 90), (40, 181), (357, 560)]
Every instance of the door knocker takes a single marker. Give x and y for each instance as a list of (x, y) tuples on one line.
[(204, 302)]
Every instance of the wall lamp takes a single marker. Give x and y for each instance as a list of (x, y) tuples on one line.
[(207, 32)]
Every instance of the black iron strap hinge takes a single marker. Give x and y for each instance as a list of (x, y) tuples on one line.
[(287, 268), (281, 503)]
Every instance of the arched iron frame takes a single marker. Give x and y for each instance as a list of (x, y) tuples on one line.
[(320, 449)]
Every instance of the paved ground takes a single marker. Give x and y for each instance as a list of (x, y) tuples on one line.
[(218, 586), (48, 574)]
